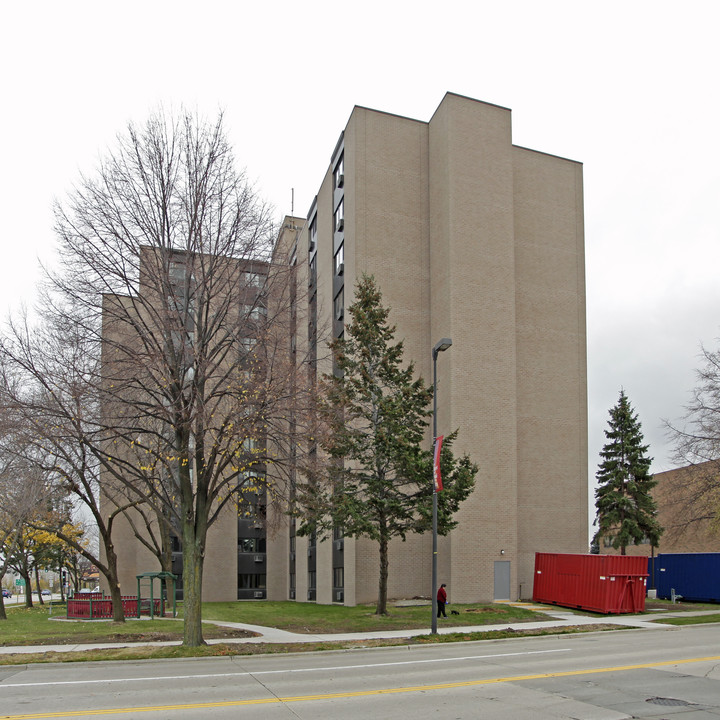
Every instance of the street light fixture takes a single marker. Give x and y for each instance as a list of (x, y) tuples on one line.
[(440, 346)]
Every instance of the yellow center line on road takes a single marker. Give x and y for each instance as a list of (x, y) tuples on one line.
[(360, 693)]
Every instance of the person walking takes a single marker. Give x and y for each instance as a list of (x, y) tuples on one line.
[(441, 600)]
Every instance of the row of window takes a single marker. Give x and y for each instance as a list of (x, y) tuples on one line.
[(178, 272), (338, 227), (338, 313), (258, 545), (338, 579)]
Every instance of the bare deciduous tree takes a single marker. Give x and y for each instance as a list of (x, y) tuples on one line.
[(21, 497), (50, 384), (169, 286), (22, 490)]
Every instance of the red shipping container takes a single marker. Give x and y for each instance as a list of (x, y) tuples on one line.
[(600, 583)]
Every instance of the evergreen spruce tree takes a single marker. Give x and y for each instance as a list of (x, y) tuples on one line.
[(625, 507), (377, 482)]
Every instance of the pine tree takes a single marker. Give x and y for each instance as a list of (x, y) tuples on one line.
[(625, 507), (378, 481)]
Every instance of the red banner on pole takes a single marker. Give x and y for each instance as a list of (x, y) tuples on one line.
[(436, 464)]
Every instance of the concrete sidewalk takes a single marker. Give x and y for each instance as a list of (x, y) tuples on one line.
[(558, 618)]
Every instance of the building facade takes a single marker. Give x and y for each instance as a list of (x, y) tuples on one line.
[(469, 237), (165, 306)]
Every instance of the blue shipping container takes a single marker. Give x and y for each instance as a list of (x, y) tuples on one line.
[(694, 576)]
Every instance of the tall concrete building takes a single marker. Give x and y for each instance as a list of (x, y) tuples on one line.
[(469, 237), (151, 334)]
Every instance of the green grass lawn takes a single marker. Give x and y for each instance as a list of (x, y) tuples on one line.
[(667, 606), (35, 626), (700, 619), (311, 617)]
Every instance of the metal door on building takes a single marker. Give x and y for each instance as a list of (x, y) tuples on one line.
[(502, 580)]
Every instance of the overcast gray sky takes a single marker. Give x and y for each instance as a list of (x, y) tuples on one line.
[(629, 88)]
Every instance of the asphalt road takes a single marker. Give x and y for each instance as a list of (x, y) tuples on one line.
[(670, 673)]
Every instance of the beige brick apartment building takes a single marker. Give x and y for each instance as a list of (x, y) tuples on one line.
[(468, 237), (473, 238)]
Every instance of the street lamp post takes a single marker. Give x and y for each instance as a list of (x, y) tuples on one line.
[(440, 346)]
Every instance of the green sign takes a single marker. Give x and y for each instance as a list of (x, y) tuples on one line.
[(19, 582)]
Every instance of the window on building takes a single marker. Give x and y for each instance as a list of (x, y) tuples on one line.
[(253, 312), (180, 271), (339, 577), (252, 279), (177, 271), (251, 502), (292, 581), (248, 344), (312, 271), (339, 305), (312, 579), (248, 581), (251, 545), (339, 173), (313, 233), (339, 217), (339, 260), (250, 444)]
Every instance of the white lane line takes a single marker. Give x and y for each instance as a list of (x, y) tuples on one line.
[(278, 672)]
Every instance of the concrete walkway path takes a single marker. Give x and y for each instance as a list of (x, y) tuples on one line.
[(558, 618)]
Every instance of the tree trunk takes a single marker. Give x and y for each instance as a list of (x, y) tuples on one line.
[(382, 586), (193, 557), (37, 585), (28, 589), (116, 597), (194, 513), (111, 576), (3, 614)]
